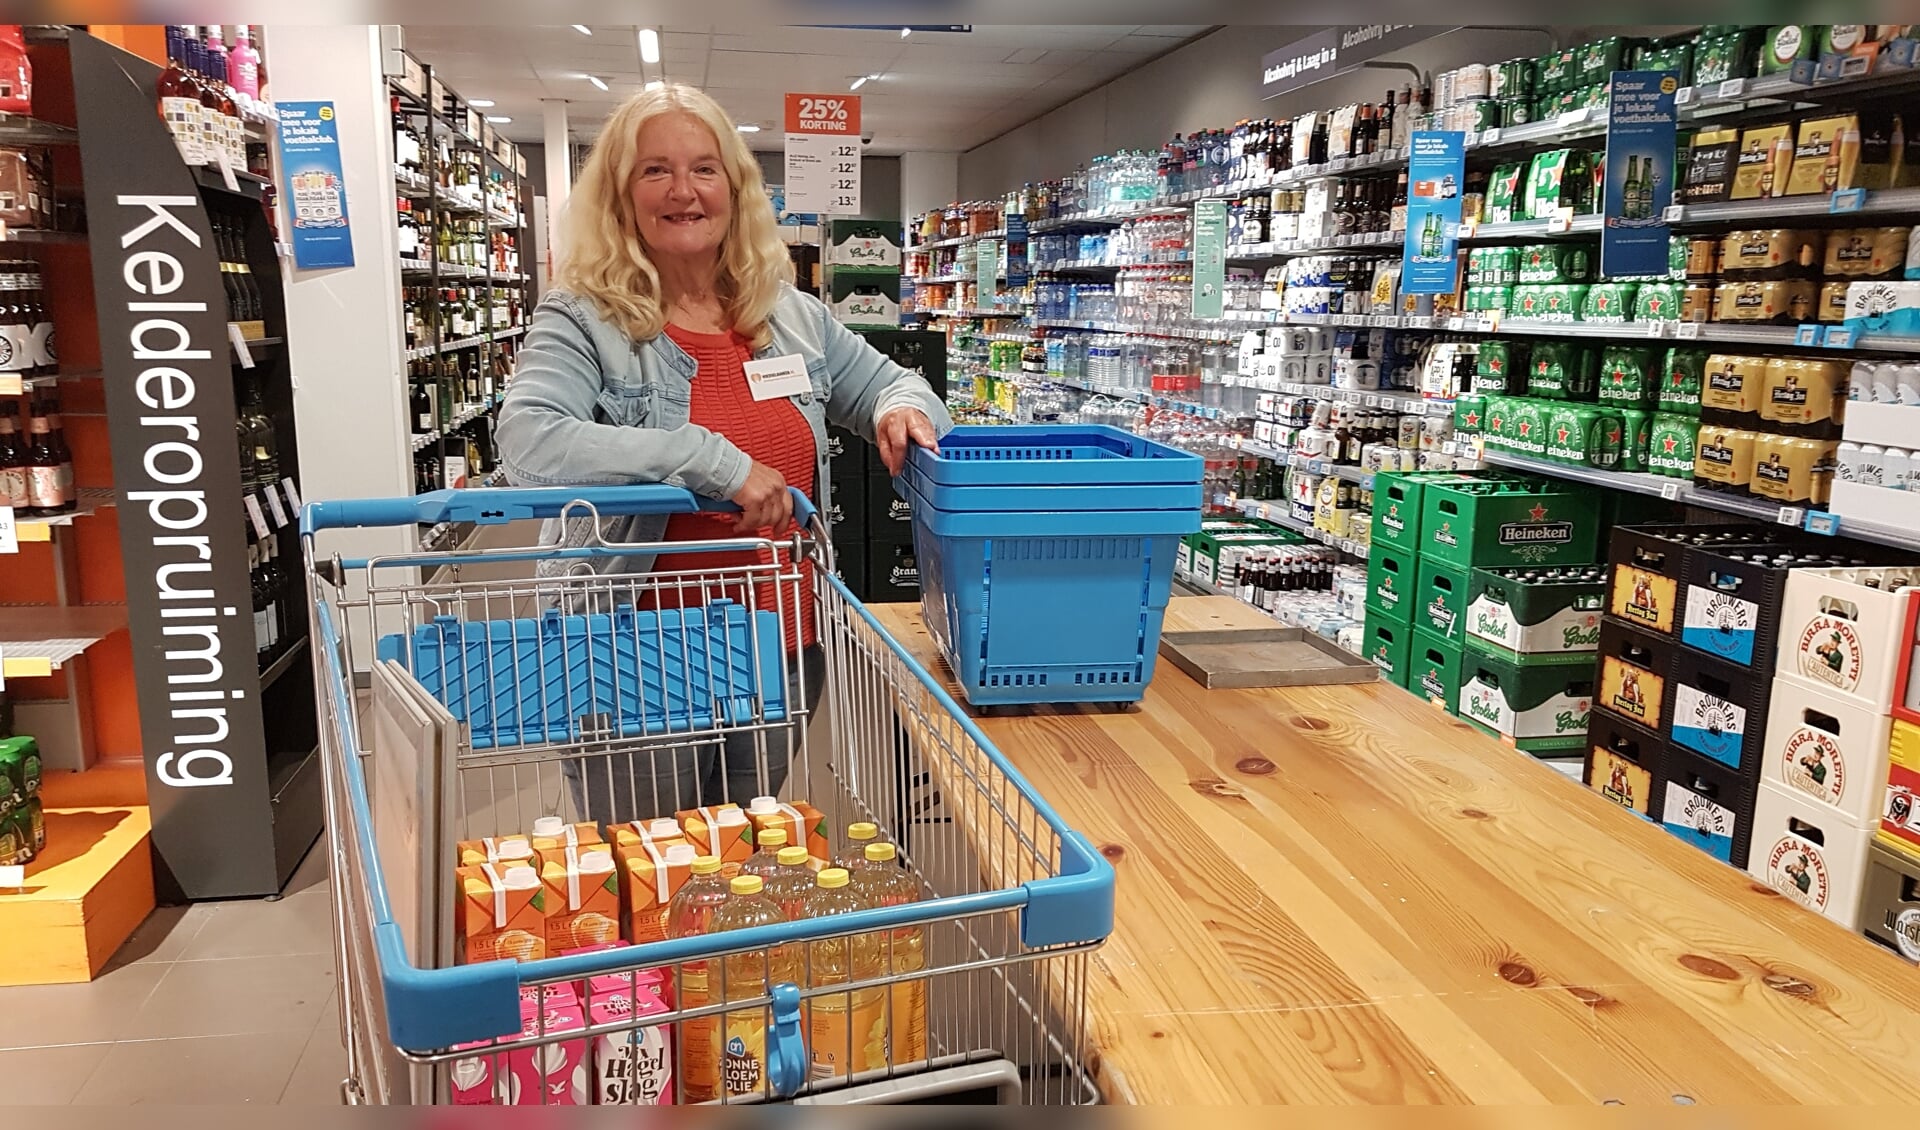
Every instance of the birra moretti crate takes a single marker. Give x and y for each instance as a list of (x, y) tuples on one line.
[(1843, 637), (1046, 557), (1828, 749)]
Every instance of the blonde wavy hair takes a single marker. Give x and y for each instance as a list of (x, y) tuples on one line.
[(601, 255)]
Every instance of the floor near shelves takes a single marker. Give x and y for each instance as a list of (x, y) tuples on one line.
[(218, 1002)]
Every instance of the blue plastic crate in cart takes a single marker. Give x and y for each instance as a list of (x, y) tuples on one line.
[(1059, 596), (559, 677)]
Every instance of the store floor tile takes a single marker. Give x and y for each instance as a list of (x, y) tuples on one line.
[(220, 1002)]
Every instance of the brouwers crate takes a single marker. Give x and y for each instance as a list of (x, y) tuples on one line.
[(1718, 709), (1046, 557), (1707, 805), (1647, 568), (1626, 764), (1733, 599)]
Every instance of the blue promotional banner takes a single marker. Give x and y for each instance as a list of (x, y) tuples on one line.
[(1016, 252), (316, 190), (1639, 175), (1436, 168)]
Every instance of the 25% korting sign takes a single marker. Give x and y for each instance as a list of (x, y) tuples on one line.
[(823, 154)]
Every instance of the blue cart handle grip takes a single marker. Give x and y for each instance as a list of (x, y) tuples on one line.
[(492, 506)]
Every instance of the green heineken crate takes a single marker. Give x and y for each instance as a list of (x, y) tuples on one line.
[(1392, 585), (1511, 522), (1439, 603), (1536, 612), (1396, 507), (1433, 670), (1535, 703), (1388, 642)]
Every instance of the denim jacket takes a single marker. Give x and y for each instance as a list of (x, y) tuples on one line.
[(588, 405)]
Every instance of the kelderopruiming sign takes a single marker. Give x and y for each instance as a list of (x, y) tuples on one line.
[(170, 412), (1336, 49)]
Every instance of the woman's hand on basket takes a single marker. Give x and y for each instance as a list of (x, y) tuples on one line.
[(763, 501), (900, 428)]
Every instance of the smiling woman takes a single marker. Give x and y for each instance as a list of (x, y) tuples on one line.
[(674, 285)]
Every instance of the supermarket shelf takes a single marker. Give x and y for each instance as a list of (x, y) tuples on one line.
[(1406, 403), (970, 276), (1191, 333), (1099, 265), (41, 235), (1111, 216), (936, 312), (1288, 248), (41, 529), (1359, 477), (466, 415), (248, 185), (283, 663), (1677, 490), (18, 129), (1588, 224), (997, 233), (1138, 396), (1281, 514), (511, 331), (410, 183), (496, 220), (37, 640), (457, 203), (1877, 202)]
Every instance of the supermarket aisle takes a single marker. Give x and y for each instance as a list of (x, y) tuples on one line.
[(224, 1002)]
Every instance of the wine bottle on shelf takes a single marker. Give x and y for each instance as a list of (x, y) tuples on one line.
[(13, 460), (244, 62), (257, 590), (180, 101), (262, 444), (49, 467)]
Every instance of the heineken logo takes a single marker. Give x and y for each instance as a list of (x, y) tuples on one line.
[(1654, 304), (1471, 419), (1603, 302), (1430, 682), (1392, 517), (1494, 422), (1668, 443), (1526, 427), (1536, 532), (1444, 535), (1440, 614)]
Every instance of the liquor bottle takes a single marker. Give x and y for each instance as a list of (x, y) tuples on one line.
[(216, 145), (49, 466), (180, 101), (262, 604), (406, 143), (1389, 129), (216, 49), (420, 406), (232, 124), (244, 63), (262, 445), (249, 286), (15, 353), (13, 460)]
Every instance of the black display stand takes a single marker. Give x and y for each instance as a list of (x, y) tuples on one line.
[(233, 775)]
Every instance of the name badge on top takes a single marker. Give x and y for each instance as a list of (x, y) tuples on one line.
[(777, 377)]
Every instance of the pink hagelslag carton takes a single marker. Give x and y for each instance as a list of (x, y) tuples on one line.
[(509, 1075), (632, 1068)]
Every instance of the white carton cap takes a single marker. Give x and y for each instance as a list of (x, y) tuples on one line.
[(596, 860), (549, 826), (763, 806), (681, 853), (520, 878), (730, 816), (664, 828)]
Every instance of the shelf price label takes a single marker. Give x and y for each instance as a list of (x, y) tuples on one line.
[(1790, 515), (9, 532), (1687, 331), (822, 167), (1670, 491)]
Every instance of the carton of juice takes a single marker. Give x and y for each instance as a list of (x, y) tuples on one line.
[(502, 913), (659, 833), (632, 1068), (494, 849), (650, 877), (550, 833), (722, 831), (806, 826), (583, 897)]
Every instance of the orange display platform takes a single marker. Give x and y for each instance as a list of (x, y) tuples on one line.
[(83, 896), (109, 784)]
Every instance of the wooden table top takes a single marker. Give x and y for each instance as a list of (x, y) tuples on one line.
[(1340, 894)]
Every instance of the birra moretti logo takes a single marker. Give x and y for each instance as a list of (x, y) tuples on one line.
[(1812, 761), (1796, 869), (1829, 650)]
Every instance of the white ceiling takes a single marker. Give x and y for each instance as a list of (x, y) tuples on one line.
[(936, 90)]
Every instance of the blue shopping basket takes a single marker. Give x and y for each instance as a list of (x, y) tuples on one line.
[(1046, 557)]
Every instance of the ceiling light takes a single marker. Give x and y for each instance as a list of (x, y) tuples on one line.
[(649, 45), (480, 103), (597, 81), (905, 31), (860, 82), (655, 84), (498, 119), (583, 29), (747, 127)]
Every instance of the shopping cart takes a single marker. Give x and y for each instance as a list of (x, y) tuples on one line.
[(463, 697)]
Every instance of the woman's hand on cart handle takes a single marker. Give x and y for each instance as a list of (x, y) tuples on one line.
[(764, 501), (899, 428)]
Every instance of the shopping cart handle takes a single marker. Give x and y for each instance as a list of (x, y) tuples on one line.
[(493, 506)]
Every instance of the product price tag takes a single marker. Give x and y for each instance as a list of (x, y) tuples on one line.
[(9, 533), (1477, 448), (1732, 88), (1561, 220), (1469, 226), (13, 876), (1821, 522), (1790, 515), (1838, 337), (1669, 491), (239, 346), (1683, 96), (255, 516), (1674, 213), (1373, 402), (1807, 334), (274, 507), (1687, 331), (1490, 135), (1489, 323), (226, 172), (1456, 323), (1451, 447), (1574, 117), (1659, 329), (1847, 200)]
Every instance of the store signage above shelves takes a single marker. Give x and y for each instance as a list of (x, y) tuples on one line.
[(1333, 51), (316, 187), (1638, 183), (823, 154)]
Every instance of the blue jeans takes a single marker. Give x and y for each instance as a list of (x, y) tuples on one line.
[(621, 787)]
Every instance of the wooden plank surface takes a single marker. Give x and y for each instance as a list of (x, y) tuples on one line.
[(1341, 894)]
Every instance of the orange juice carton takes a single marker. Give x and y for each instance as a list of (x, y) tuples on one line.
[(635, 1067), (583, 897), (502, 913), (550, 833), (659, 833), (494, 849), (806, 826), (722, 831), (650, 876)]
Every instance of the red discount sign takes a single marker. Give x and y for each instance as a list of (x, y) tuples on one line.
[(829, 114)]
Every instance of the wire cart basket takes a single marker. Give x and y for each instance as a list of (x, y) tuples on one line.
[(466, 694)]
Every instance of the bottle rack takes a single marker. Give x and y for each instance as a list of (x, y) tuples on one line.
[(454, 406), (226, 718)]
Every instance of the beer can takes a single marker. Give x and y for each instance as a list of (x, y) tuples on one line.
[(1606, 436), (1566, 434), (1633, 444)]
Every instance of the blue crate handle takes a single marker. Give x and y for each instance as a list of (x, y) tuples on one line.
[(494, 506)]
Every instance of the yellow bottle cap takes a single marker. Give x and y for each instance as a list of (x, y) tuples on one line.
[(745, 885), (832, 877), (791, 856), (773, 837), (862, 831), (880, 853), (706, 865)]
